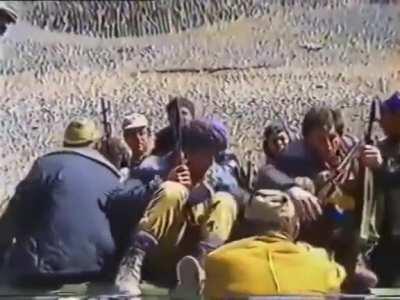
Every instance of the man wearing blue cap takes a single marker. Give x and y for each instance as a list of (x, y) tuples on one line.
[(188, 215), (385, 161)]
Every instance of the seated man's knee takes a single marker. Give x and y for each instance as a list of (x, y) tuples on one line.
[(173, 192), (225, 203)]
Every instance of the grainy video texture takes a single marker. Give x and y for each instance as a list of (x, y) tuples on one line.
[(235, 58)]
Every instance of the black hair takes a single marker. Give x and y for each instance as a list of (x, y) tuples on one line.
[(339, 121), (273, 129), (181, 102), (318, 117)]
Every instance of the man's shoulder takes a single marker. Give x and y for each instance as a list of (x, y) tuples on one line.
[(389, 148), (221, 178), (295, 150), (153, 162), (164, 133), (296, 153), (65, 156), (297, 160), (150, 167)]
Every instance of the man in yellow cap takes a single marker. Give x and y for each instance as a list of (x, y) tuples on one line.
[(271, 262), (57, 215), (81, 132)]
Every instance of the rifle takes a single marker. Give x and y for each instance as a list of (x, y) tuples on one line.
[(368, 235), (368, 232), (374, 116), (105, 109), (177, 132), (284, 125), (337, 175)]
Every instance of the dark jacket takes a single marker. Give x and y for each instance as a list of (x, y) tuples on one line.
[(269, 177), (164, 141), (385, 261), (220, 176), (388, 185), (298, 161), (125, 208), (152, 167), (58, 220), (294, 162)]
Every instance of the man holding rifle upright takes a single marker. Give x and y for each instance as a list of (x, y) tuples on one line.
[(329, 208), (384, 160), (184, 220)]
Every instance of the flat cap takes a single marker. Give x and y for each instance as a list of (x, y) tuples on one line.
[(134, 121), (81, 131)]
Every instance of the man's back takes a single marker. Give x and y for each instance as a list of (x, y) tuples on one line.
[(270, 265), (61, 228)]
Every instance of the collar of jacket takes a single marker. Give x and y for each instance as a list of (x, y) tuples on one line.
[(273, 236), (90, 154)]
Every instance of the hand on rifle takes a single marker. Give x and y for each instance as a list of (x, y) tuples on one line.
[(307, 205), (371, 157), (182, 175)]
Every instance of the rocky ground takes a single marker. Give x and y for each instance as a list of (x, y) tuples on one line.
[(246, 72)]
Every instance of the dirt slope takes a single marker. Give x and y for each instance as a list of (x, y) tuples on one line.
[(288, 59)]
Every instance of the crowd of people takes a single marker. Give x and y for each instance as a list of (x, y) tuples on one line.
[(177, 208)]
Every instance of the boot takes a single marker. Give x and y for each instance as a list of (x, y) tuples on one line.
[(190, 273), (129, 273), (191, 277), (364, 279)]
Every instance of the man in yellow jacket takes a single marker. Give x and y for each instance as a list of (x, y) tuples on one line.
[(271, 263)]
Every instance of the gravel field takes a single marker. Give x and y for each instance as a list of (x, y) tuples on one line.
[(245, 70)]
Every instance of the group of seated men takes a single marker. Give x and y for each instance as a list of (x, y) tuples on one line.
[(186, 218)]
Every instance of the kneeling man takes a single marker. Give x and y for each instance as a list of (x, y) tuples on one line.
[(271, 263)]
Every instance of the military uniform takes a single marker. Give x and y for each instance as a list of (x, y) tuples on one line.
[(176, 216), (385, 259), (177, 222)]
